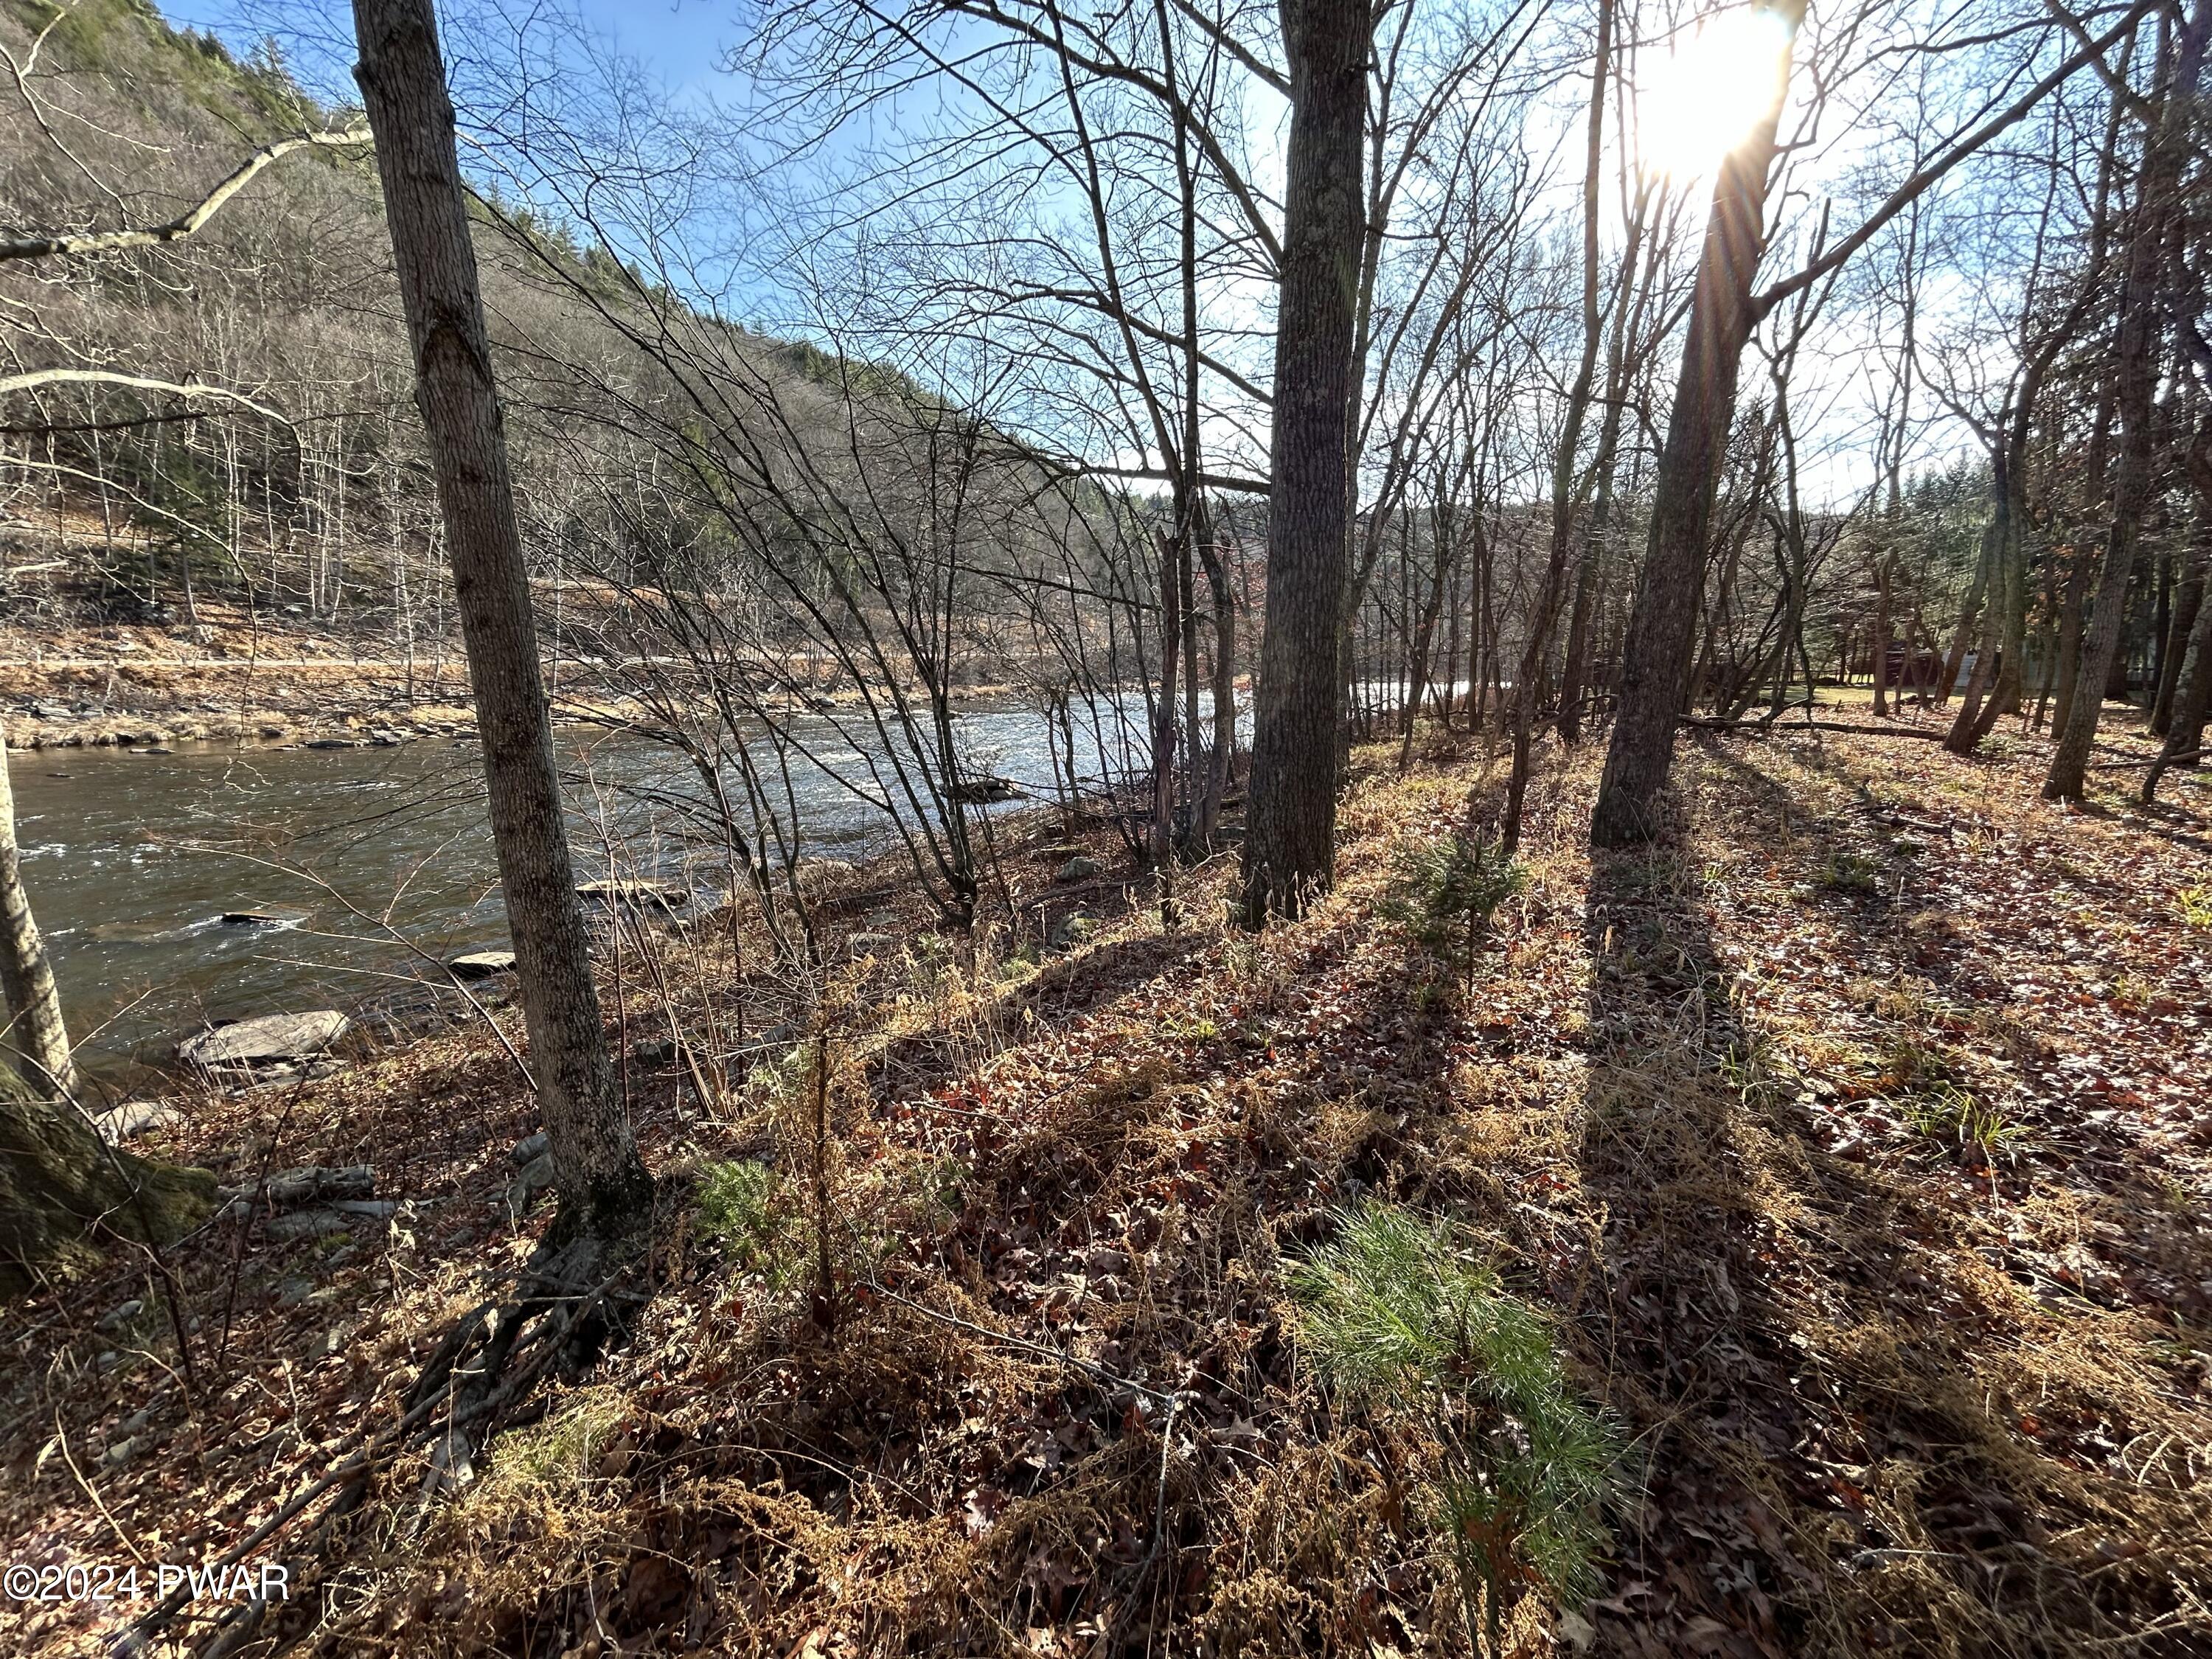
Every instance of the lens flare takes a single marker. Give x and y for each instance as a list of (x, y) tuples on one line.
[(1710, 92)]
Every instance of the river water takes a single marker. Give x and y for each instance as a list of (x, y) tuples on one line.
[(366, 857)]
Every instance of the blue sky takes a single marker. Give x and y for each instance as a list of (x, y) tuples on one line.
[(679, 41)]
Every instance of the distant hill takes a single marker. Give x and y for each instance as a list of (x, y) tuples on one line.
[(316, 513)]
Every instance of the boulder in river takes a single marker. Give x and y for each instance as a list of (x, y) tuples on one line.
[(249, 1045), (255, 919), (985, 791), (633, 892), (482, 964)]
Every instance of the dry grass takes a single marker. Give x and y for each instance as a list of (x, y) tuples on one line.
[(1892, 1388)]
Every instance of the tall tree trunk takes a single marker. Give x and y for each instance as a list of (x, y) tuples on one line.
[(1590, 570), (1663, 623), (1544, 616), (600, 1179), (1163, 720), (1965, 732), (1290, 846), (1433, 604), (2072, 605), (1962, 637), (2136, 385)]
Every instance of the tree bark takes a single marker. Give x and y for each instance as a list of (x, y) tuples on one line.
[(1662, 622), (600, 1179), (1290, 844)]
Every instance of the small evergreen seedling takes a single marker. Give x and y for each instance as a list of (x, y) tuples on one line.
[(736, 1204), (1447, 892), (1396, 1319)]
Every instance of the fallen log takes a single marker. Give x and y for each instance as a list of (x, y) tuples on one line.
[(1766, 728), (2147, 760)]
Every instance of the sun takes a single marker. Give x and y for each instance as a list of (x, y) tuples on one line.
[(1711, 91)]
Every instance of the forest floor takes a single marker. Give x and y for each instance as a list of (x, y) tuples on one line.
[(1854, 1141)]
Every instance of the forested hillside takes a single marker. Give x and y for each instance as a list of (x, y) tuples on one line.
[(213, 448), (997, 828)]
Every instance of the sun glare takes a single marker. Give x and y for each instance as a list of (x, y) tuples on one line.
[(1711, 91)]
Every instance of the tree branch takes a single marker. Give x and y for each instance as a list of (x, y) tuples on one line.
[(31, 379), (185, 225), (1918, 184)]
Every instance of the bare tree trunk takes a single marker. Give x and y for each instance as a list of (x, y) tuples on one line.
[(601, 1180), (1962, 637), (60, 1184), (1163, 722), (34, 1006), (2073, 605), (1223, 756), (1662, 624), (1996, 550), (1535, 653), (1290, 846)]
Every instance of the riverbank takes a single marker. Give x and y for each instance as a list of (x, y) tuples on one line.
[(1852, 1146), (140, 688)]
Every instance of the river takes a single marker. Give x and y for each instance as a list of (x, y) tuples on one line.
[(132, 859)]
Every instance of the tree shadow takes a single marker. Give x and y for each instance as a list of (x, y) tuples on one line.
[(1687, 1327), (1813, 1361)]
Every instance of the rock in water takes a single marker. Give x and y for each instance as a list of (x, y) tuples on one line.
[(985, 791), (271, 1039), (633, 892), (482, 964)]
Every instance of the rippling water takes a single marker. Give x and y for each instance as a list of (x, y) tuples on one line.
[(360, 858)]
